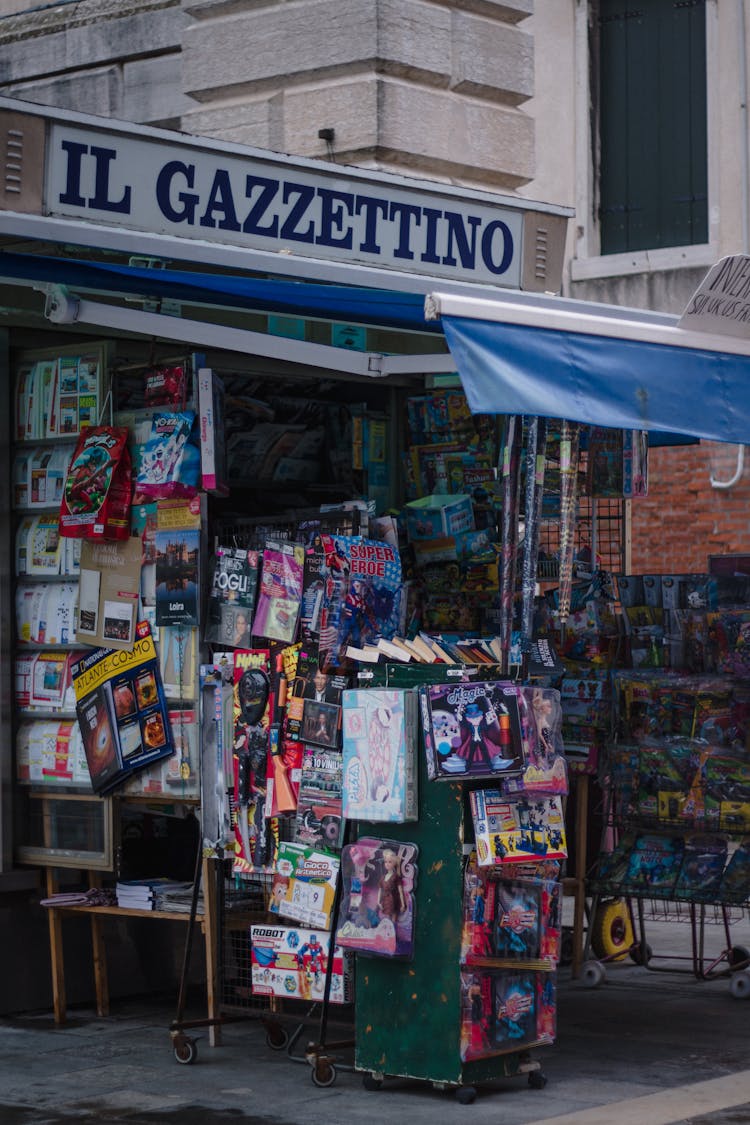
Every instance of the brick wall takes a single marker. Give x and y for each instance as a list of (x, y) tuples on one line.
[(684, 520)]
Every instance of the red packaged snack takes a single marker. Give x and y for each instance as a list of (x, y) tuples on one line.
[(165, 386), (96, 498)]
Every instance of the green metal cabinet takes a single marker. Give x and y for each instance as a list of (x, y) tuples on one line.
[(408, 1013)]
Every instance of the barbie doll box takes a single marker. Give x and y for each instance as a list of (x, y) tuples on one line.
[(380, 761)]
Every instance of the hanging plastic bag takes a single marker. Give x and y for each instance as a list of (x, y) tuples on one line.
[(171, 461), (96, 496)]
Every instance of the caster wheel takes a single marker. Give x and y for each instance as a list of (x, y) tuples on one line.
[(465, 1095), (323, 1075), (277, 1039), (739, 957), (611, 930), (185, 1051), (593, 974), (370, 1082), (566, 947), (641, 954), (537, 1080), (740, 986)]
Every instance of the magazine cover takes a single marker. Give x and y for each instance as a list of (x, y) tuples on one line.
[(280, 593), (231, 598), (177, 558), (508, 831), (121, 711), (471, 730), (379, 743), (319, 819)]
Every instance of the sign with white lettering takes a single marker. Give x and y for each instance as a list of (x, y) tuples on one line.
[(721, 303), (250, 200)]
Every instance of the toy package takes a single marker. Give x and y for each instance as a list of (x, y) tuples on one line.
[(471, 730), (171, 460), (165, 386), (736, 877), (377, 904), (251, 722), (507, 831), (96, 496), (515, 1009), (280, 592), (510, 919), (518, 920), (304, 885), (231, 599), (703, 863), (476, 1015), (545, 770), (361, 595), (379, 743), (654, 864), (291, 963)]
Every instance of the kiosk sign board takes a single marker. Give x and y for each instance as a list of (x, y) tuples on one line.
[(115, 174)]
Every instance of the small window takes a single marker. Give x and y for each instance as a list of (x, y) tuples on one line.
[(653, 176)]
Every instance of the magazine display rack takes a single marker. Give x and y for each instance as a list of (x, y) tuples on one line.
[(678, 818), (70, 822), (401, 1028)]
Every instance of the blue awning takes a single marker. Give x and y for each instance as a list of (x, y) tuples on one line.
[(626, 374), (348, 304)]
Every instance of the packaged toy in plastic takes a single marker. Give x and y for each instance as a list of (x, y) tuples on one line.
[(96, 496), (377, 911), (171, 461)]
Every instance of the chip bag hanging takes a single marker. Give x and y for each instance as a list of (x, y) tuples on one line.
[(96, 496)]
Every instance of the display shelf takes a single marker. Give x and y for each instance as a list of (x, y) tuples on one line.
[(51, 715), (43, 442), (36, 509)]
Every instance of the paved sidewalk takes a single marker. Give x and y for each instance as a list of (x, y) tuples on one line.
[(647, 1048)]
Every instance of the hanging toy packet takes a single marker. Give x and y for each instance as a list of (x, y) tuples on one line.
[(96, 497), (171, 460)]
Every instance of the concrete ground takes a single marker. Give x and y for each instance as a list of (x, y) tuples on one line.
[(645, 1048)]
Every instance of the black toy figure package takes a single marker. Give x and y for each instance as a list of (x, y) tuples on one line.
[(377, 903)]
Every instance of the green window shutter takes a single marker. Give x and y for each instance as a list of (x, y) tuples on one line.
[(652, 124)]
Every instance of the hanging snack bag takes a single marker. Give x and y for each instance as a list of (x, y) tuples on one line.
[(171, 461), (165, 386), (96, 497)]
